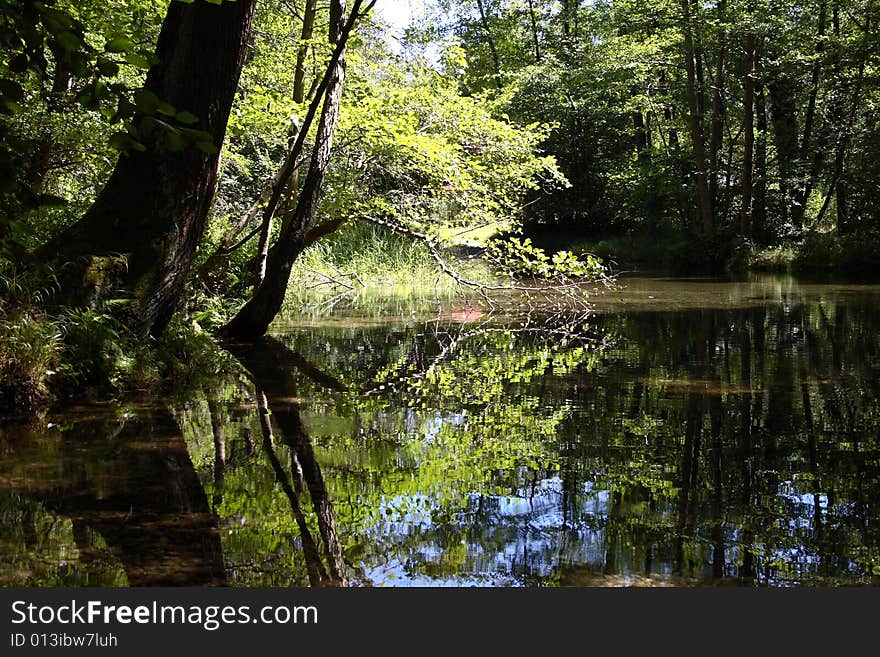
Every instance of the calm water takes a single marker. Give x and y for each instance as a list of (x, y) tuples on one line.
[(690, 433)]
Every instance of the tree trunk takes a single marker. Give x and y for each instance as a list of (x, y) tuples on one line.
[(718, 107), (254, 318), (299, 96), (759, 202), (651, 204), (695, 123), (534, 22), (308, 27), (807, 179), (745, 223), (838, 184), (490, 41), (43, 153), (153, 209), (784, 119)]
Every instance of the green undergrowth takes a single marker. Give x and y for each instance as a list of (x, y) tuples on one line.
[(670, 249), (677, 251), (367, 263), (818, 252), (88, 354)]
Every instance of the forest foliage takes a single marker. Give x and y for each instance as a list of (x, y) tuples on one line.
[(147, 169)]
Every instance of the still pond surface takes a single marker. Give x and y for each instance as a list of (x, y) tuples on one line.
[(690, 432)]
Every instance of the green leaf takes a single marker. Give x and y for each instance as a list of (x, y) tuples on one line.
[(166, 108), (138, 60), (124, 142), (174, 141), (146, 101), (119, 44), (206, 147), (70, 41), (107, 67), (187, 118)]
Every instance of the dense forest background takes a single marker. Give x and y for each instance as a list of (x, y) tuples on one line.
[(197, 163)]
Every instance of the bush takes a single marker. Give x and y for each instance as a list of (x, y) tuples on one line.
[(30, 351)]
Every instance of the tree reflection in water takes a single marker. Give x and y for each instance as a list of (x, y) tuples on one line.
[(128, 488), (729, 441)]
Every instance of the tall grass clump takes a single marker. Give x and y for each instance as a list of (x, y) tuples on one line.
[(30, 353), (362, 257)]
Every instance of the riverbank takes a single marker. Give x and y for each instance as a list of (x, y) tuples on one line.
[(679, 252)]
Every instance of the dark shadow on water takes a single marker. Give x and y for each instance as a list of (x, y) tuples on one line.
[(130, 481)]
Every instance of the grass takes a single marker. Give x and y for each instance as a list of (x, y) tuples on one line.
[(86, 353), (779, 259), (823, 252), (369, 261), (30, 353), (670, 249)]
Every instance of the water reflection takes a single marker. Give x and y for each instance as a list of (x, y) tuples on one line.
[(716, 443), (117, 497)]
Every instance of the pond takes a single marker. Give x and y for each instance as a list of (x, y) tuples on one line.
[(689, 432)]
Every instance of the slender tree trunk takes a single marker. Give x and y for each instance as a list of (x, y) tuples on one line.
[(718, 106), (643, 156), (299, 96), (254, 318), (41, 162), (838, 183), (534, 22), (154, 208), (695, 122), (759, 203), (807, 179), (310, 11), (566, 18), (745, 223), (490, 41)]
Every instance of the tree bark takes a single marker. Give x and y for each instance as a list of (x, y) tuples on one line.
[(807, 179), (745, 223), (490, 41), (254, 318), (695, 123), (718, 107), (154, 208)]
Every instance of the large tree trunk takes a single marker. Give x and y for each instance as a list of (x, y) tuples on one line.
[(254, 318), (154, 208)]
